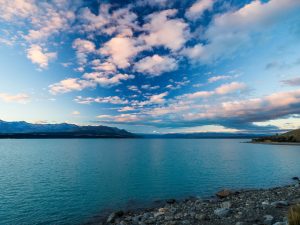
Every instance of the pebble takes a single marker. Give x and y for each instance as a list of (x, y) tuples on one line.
[(246, 207)]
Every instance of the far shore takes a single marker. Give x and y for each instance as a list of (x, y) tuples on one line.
[(243, 207), (274, 143)]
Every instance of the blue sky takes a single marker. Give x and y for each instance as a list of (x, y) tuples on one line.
[(152, 66)]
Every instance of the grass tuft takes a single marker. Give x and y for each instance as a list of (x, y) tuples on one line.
[(294, 215)]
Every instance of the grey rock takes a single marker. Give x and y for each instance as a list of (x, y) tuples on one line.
[(112, 217), (281, 223), (222, 212), (200, 217), (157, 214), (240, 223), (225, 205), (279, 204), (268, 219)]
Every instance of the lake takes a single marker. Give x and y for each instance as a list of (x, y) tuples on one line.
[(59, 181)]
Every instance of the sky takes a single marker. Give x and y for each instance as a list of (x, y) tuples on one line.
[(152, 66)]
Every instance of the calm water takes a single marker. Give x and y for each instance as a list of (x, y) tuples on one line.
[(70, 181)]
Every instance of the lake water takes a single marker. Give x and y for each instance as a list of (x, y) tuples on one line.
[(71, 181)]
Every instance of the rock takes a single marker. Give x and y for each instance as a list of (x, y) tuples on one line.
[(171, 201), (178, 216), (200, 217), (225, 205), (280, 204), (240, 223), (112, 217), (281, 223), (224, 193), (295, 201), (296, 178), (268, 219), (265, 203), (158, 214), (162, 210), (222, 212)]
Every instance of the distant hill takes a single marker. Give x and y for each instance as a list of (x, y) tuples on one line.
[(23, 129), (291, 136), (210, 135)]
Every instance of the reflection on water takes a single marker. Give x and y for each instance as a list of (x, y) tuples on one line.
[(69, 181)]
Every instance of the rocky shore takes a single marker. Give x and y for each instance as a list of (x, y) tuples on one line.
[(260, 206)]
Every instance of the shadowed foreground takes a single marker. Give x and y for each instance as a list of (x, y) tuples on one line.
[(262, 206)]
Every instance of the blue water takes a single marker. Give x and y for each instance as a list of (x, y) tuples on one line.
[(71, 181)]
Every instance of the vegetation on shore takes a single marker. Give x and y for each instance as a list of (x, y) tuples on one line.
[(294, 215), (289, 137)]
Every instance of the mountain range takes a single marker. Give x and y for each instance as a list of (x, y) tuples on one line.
[(22, 129)]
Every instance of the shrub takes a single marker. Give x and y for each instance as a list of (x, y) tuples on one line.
[(294, 215)]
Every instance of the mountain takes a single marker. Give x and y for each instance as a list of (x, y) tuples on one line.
[(23, 129), (291, 136)]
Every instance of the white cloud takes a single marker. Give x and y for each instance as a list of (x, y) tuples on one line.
[(198, 8), (149, 87), (11, 9), (152, 100), (120, 51), (117, 22), (126, 109), (97, 65), (49, 19), (18, 98), (231, 31), (75, 113), (38, 56), (230, 87), (218, 78), (200, 94), (224, 89), (104, 116), (158, 99), (110, 99), (156, 65), (163, 31), (70, 84), (134, 88), (253, 110), (83, 48), (195, 52), (104, 79)]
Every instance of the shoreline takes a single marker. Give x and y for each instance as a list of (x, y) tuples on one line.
[(274, 143), (242, 207)]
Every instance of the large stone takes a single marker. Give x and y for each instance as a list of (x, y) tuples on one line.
[(200, 217), (162, 210), (112, 217), (268, 219), (224, 193), (225, 205), (280, 204), (281, 223), (222, 212)]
